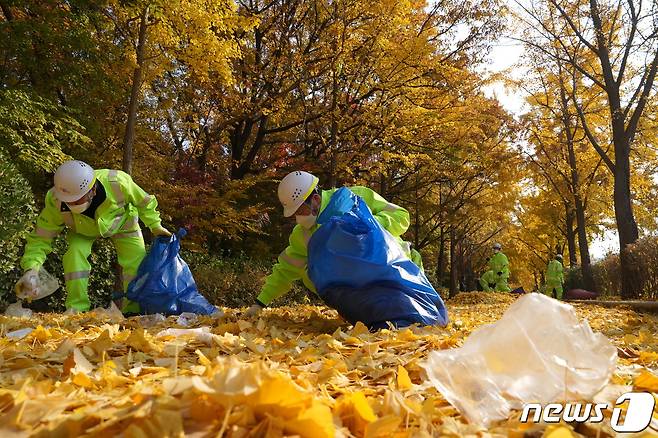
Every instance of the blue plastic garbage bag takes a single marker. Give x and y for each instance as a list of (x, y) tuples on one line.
[(361, 270), (164, 282)]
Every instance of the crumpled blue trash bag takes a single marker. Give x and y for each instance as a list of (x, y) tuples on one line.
[(164, 283), (360, 269)]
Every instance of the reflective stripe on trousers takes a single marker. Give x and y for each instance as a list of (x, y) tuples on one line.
[(76, 275), (137, 233), (42, 232)]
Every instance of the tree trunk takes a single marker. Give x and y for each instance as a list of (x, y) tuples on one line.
[(571, 237), (416, 215), (6, 11), (129, 137), (333, 135), (242, 166), (441, 259), (626, 225), (383, 187), (453, 264), (238, 139), (583, 247), (469, 275), (202, 160)]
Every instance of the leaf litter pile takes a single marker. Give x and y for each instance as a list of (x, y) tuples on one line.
[(292, 371)]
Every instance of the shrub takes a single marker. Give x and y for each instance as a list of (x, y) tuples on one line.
[(643, 256), (236, 281), (573, 278), (606, 275), (16, 215)]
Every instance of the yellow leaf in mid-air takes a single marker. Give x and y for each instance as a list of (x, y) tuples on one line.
[(404, 382)]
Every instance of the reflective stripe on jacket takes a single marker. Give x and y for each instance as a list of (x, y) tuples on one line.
[(291, 264), (117, 216)]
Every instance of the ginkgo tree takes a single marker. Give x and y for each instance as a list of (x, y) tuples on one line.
[(559, 158), (614, 46)]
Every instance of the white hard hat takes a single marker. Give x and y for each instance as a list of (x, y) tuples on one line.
[(497, 246), (73, 179), (294, 189)]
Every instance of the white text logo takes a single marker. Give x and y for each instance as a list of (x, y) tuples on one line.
[(638, 413)]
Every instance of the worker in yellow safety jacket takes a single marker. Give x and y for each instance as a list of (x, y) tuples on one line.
[(499, 265), (555, 277), (299, 194), (92, 204), (488, 280)]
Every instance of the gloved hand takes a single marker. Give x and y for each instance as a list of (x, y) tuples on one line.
[(27, 286), (500, 273), (161, 231), (253, 310)]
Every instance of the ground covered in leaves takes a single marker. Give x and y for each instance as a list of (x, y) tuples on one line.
[(291, 371)]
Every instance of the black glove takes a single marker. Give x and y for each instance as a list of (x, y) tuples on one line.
[(500, 273)]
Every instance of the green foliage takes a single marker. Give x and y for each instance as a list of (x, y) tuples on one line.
[(643, 256), (573, 278), (35, 131), (606, 275), (101, 281), (16, 213), (236, 281)]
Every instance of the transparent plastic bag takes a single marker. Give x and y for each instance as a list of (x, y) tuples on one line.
[(34, 288), (201, 334), (186, 318), (16, 309), (151, 320), (112, 313), (537, 352)]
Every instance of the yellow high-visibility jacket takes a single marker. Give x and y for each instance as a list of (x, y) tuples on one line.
[(118, 215), (499, 263), (291, 265), (554, 273)]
